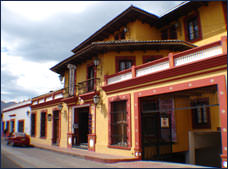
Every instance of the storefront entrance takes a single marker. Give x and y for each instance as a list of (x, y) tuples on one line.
[(182, 126), (156, 130), (81, 127), (56, 128)]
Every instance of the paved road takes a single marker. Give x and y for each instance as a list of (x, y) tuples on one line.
[(31, 157)]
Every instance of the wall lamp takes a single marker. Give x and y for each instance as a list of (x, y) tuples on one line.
[(28, 112), (96, 99), (60, 106), (96, 62), (49, 117), (61, 77)]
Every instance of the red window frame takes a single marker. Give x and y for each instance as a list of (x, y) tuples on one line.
[(127, 98), (121, 58), (186, 21)]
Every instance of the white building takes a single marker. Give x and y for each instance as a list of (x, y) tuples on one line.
[(17, 117)]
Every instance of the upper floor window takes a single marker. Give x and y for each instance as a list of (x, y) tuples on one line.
[(192, 28), (120, 34), (200, 113), (124, 62), (90, 78), (169, 33)]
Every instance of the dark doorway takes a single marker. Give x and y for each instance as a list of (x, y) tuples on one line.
[(56, 128), (156, 130), (81, 127)]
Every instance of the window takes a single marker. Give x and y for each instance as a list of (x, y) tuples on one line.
[(119, 123), (12, 126), (43, 124), (7, 126), (124, 62), (90, 78), (200, 113), (192, 28), (120, 35), (165, 35), (21, 126), (33, 124), (173, 32), (169, 33)]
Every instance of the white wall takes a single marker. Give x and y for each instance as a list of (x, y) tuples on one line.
[(21, 114)]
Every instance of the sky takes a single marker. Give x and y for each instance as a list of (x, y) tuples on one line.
[(36, 35)]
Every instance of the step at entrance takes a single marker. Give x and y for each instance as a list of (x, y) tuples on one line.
[(84, 145)]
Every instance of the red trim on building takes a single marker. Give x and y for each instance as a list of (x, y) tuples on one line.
[(119, 58), (93, 137), (171, 72), (126, 97), (118, 73), (46, 103), (18, 107), (152, 63), (12, 115), (88, 96), (186, 19), (220, 81), (196, 49), (69, 100)]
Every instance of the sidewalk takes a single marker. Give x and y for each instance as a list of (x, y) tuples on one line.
[(88, 155), (119, 161)]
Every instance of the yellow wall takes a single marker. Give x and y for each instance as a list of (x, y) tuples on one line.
[(48, 139), (140, 31), (183, 117)]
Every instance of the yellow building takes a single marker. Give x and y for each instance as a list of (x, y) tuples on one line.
[(149, 87)]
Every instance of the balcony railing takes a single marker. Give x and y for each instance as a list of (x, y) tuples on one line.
[(172, 60), (87, 86)]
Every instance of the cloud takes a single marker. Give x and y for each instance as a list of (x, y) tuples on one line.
[(36, 35)]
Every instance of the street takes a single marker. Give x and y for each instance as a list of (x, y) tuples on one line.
[(31, 157)]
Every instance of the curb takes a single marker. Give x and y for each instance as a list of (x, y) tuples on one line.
[(87, 157)]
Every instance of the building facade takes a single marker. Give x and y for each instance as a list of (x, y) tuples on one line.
[(16, 118), (147, 87), (48, 119)]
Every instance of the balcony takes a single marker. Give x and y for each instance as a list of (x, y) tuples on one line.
[(87, 86), (213, 54)]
